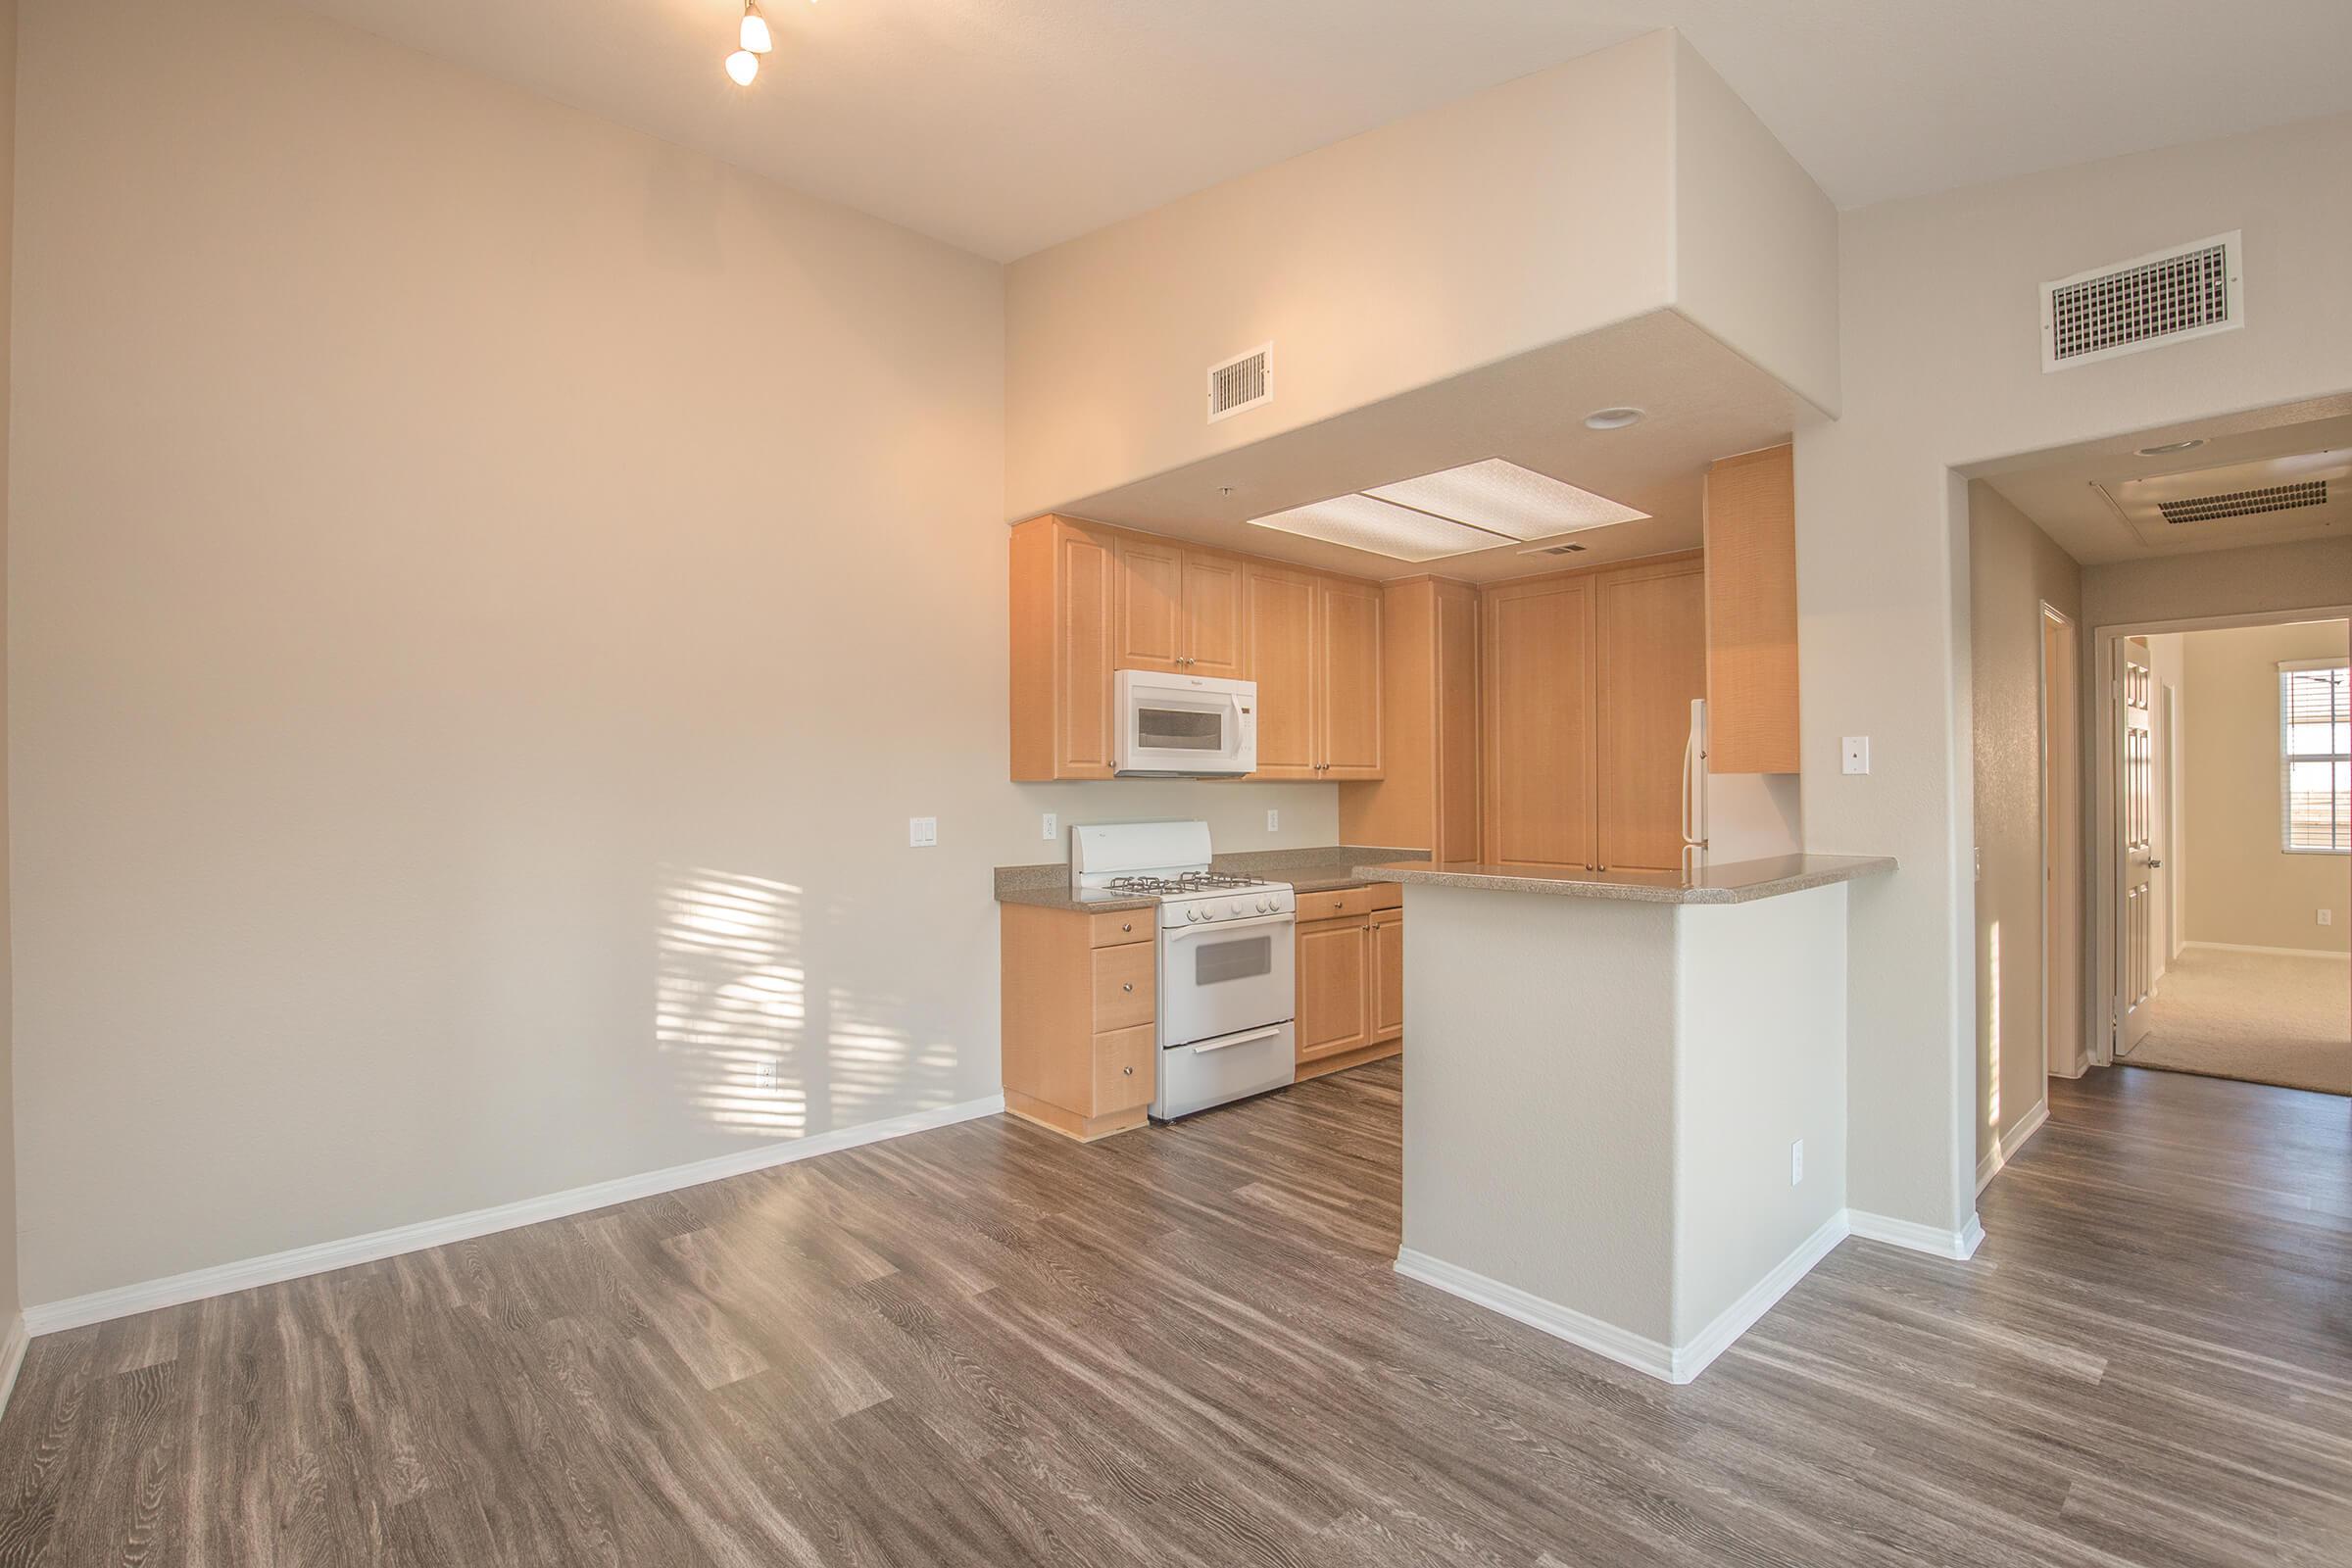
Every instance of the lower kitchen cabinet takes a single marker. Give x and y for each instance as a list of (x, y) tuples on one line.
[(1350, 977), (1081, 1029)]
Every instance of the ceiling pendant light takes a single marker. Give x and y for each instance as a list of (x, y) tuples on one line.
[(742, 66), (756, 39)]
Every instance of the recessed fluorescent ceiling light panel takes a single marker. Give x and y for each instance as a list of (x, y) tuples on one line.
[(1361, 522), (1453, 512)]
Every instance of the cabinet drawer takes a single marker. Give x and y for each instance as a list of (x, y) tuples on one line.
[(1124, 925), (1124, 992), (1388, 896), (1334, 906), (1124, 1063)]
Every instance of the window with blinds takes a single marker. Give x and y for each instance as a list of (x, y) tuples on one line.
[(2315, 758)]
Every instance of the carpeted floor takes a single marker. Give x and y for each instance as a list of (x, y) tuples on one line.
[(2255, 1015)]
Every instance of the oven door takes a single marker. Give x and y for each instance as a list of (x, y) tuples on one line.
[(1227, 976), (1184, 726)]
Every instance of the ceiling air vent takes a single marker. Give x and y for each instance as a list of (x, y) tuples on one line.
[(1554, 549), (1241, 383), (2245, 502), (2170, 297)]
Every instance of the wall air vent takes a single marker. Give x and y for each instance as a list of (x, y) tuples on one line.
[(2245, 502), (2170, 297), (1241, 383)]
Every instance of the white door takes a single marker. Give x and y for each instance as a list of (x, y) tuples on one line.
[(2136, 793)]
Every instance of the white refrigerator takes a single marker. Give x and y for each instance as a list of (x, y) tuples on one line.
[(1729, 817), (1694, 791)]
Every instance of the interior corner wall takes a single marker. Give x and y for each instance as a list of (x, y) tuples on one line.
[(1941, 370), (2014, 569), (470, 685), (2250, 890)]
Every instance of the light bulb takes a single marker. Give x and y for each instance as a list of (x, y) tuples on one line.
[(742, 66), (754, 29)]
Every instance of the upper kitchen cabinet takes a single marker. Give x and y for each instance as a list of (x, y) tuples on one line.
[(1588, 679), (1064, 607), (1751, 613), (1428, 796), (1314, 650), (1179, 610)]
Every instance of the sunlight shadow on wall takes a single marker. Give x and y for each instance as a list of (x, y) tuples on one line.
[(731, 1002), (873, 1067)]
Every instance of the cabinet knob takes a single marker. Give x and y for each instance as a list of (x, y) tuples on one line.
[(1129, 986), (1129, 1071), (1126, 925)]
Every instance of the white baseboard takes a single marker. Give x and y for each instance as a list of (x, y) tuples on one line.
[(1627, 1349), (1580, 1329), (123, 1301), (2004, 1147), (1961, 1244), (1738, 1318), (2276, 953), (13, 1346)]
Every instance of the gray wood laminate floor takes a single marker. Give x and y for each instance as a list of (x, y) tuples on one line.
[(985, 1344)]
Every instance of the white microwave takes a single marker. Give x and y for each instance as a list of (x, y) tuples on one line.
[(1183, 726)]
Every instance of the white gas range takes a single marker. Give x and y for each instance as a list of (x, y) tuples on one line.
[(1228, 978)]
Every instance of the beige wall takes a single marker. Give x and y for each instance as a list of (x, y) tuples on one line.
[(10, 1297), (1512, 220), (491, 588), (2014, 569), (2313, 573), (2248, 891), (1941, 370)]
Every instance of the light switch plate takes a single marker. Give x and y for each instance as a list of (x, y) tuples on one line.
[(1857, 753), (922, 832)]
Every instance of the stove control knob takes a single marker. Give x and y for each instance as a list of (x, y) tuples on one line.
[(1191, 914), (1237, 906), (1265, 905)]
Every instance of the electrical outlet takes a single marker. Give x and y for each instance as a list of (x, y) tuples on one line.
[(764, 1076), (922, 832), (1857, 753), (1052, 827), (1797, 1162), (1274, 825), (2326, 917)]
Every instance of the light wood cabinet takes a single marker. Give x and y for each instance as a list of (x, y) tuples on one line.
[(1651, 634), (1388, 974), (1350, 960), (1179, 610), (1588, 679), (1334, 986), (1428, 795), (1064, 607), (1090, 601), (1751, 613), (1080, 1018)]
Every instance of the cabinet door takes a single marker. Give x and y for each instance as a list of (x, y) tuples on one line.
[(1653, 662), (1085, 588), (1537, 672), (1151, 634), (1751, 613), (1214, 640), (1348, 676), (1280, 611), (1334, 986), (1388, 974)]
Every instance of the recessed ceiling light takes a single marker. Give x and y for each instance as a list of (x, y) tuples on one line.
[(1612, 418), (1502, 498), (1364, 523), (2171, 447)]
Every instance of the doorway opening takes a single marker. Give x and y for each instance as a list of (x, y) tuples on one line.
[(2231, 749)]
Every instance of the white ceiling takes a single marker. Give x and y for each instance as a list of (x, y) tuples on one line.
[(1005, 126), (2061, 490)]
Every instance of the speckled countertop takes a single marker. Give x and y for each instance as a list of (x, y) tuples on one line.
[(1735, 882), (1316, 871)]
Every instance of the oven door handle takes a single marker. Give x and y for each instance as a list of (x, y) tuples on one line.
[(1176, 933), (1242, 1039)]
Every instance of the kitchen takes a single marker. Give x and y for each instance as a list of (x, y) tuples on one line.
[(1623, 733)]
